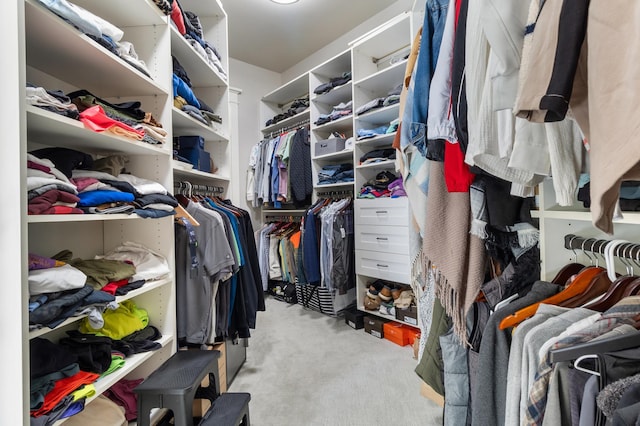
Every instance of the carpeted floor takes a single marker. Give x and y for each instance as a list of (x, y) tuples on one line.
[(304, 368)]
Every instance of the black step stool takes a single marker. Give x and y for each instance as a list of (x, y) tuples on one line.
[(174, 386), (229, 409)]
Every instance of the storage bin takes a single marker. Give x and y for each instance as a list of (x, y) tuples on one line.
[(408, 315), (375, 326), (354, 318), (328, 146), (394, 333), (410, 333)]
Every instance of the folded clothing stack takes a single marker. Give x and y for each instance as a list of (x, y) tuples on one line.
[(297, 106), (393, 97), (385, 184), (334, 82), (335, 173), (337, 112)]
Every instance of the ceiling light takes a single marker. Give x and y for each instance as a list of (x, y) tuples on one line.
[(284, 1)]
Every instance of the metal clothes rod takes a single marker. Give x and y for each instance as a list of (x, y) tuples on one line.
[(270, 218), (336, 194), (595, 245), (195, 188), (291, 127)]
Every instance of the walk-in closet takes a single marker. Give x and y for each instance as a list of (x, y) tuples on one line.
[(304, 212)]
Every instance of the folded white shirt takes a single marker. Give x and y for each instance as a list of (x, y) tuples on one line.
[(50, 280)]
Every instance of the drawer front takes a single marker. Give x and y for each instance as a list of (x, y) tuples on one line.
[(386, 266), (390, 211), (386, 239)]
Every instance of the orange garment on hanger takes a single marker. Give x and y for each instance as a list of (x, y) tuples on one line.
[(580, 284)]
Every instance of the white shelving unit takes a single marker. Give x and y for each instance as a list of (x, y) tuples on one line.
[(381, 223), (209, 85), (47, 51), (323, 104), (377, 64)]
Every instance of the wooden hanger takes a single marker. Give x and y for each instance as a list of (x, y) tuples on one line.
[(576, 287), (181, 212), (599, 285)]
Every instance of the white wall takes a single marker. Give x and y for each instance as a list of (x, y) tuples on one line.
[(254, 82), (341, 43)]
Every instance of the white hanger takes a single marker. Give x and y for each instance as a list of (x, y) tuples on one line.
[(608, 254), (586, 370)]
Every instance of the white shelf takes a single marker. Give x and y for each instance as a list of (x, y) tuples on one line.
[(204, 8), (381, 116), (200, 72), (295, 88), (188, 174), (335, 96), (51, 129), (348, 154), (184, 125), (377, 141), (334, 67), (386, 164), (287, 122), (389, 317), (54, 46), (632, 218), (388, 77), (342, 124), (59, 218), (125, 13), (333, 185), (144, 289)]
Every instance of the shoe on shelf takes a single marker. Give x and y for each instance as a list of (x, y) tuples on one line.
[(387, 308), (385, 293), (396, 291), (371, 304), (372, 292)]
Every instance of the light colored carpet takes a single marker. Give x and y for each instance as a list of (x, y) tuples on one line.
[(305, 368)]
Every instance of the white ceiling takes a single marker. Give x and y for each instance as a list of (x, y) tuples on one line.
[(276, 37)]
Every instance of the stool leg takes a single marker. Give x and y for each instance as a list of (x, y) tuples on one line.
[(182, 409), (145, 404), (245, 418)]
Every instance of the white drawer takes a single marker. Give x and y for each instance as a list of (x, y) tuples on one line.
[(386, 239), (383, 211), (386, 266)]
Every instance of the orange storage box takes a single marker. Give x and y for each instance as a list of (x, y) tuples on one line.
[(411, 333), (394, 332)]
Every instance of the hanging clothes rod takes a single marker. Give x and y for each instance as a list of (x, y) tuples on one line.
[(336, 194), (595, 245), (274, 218), (290, 127), (195, 188)]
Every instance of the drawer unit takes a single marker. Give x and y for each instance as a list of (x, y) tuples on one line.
[(383, 211), (386, 239), (386, 266)]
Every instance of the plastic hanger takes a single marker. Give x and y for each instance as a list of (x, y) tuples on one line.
[(578, 286), (577, 366), (634, 287), (616, 290)]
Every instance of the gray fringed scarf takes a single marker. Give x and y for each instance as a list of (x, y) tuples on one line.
[(450, 248)]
